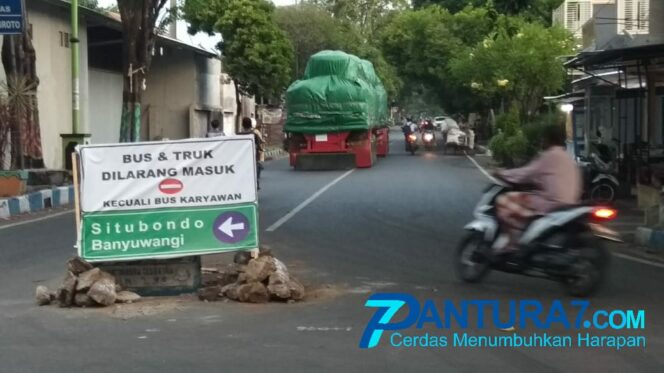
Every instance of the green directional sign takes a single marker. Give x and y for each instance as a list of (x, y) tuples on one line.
[(126, 235)]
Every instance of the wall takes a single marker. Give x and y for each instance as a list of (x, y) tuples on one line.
[(170, 92), (105, 106), (604, 30)]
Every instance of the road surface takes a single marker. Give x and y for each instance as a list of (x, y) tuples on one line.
[(391, 228)]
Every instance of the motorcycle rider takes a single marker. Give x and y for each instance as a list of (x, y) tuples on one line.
[(556, 180), (408, 128)]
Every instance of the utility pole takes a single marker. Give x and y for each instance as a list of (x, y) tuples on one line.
[(75, 84), (70, 140)]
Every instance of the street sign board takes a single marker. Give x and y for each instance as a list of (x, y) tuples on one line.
[(167, 199), (11, 17), (168, 232), (138, 176)]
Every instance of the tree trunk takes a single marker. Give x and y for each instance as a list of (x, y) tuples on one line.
[(238, 102), (139, 23)]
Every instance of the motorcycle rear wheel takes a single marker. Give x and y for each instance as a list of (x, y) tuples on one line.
[(603, 192), (590, 268), (470, 264)]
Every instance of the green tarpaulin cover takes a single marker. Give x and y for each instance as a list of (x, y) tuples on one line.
[(338, 92)]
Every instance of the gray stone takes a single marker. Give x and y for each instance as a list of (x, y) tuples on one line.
[(87, 278), (279, 291), (265, 251), (242, 257), (278, 281), (254, 292), (231, 291), (83, 300), (296, 289), (127, 297), (210, 293), (76, 265), (103, 291), (43, 295), (260, 269), (67, 290)]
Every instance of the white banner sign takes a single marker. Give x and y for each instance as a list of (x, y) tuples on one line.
[(184, 173)]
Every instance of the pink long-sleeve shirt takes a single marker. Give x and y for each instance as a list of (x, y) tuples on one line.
[(555, 176)]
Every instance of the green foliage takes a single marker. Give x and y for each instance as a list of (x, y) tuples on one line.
[(257, 54), (515, 143), (519, 63), (509, 122), (310, 29), (532, 10), (366, 15), (314, 27)]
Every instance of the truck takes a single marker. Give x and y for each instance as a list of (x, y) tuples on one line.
[(337, 114)]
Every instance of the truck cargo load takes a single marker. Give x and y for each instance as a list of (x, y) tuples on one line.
[(338, 92), (337, 114)]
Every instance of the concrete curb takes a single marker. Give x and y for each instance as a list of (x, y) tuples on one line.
[(33, 202), (651, 239)]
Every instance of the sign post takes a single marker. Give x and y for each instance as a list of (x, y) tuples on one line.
[(11, 17), (167, 199)]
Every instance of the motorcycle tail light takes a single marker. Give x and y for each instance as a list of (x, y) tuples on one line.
[(605, 213)]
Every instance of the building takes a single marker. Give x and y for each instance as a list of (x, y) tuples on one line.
[(572, 14), (183, 92), (619, 96)]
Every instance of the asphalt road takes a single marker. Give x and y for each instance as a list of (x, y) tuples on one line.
[(390, 228)]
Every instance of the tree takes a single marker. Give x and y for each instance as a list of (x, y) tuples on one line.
[(140, 22), (419, 44), (531, 10), (256, 53), (519, 68), (367, 15), (310, 29)]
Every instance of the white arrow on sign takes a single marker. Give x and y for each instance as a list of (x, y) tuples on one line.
[(228, 228)]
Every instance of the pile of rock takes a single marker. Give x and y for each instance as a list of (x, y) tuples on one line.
[(258, 280), (85, 286)]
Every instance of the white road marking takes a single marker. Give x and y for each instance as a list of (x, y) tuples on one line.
[(617, 255), (638, 260), (304, 204), (485, 172), (324, 328), (36, 219)]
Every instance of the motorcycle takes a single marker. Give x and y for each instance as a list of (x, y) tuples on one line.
[(600, 182), (429, 139), (411, 143), (565, 246)]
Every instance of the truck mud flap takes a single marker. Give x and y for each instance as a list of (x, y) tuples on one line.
[(325, 162)]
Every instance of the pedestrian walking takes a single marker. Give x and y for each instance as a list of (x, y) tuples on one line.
[(248, 129)]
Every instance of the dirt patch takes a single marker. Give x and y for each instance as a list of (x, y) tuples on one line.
[(323, 293)]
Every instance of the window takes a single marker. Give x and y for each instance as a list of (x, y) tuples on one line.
[(64, 39)]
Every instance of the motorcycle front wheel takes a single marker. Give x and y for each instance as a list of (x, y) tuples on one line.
[(470, 264), (589, 270)]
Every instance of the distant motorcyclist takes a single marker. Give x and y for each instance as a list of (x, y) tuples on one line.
[(556, 180), (409, 128), (428, 125)]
